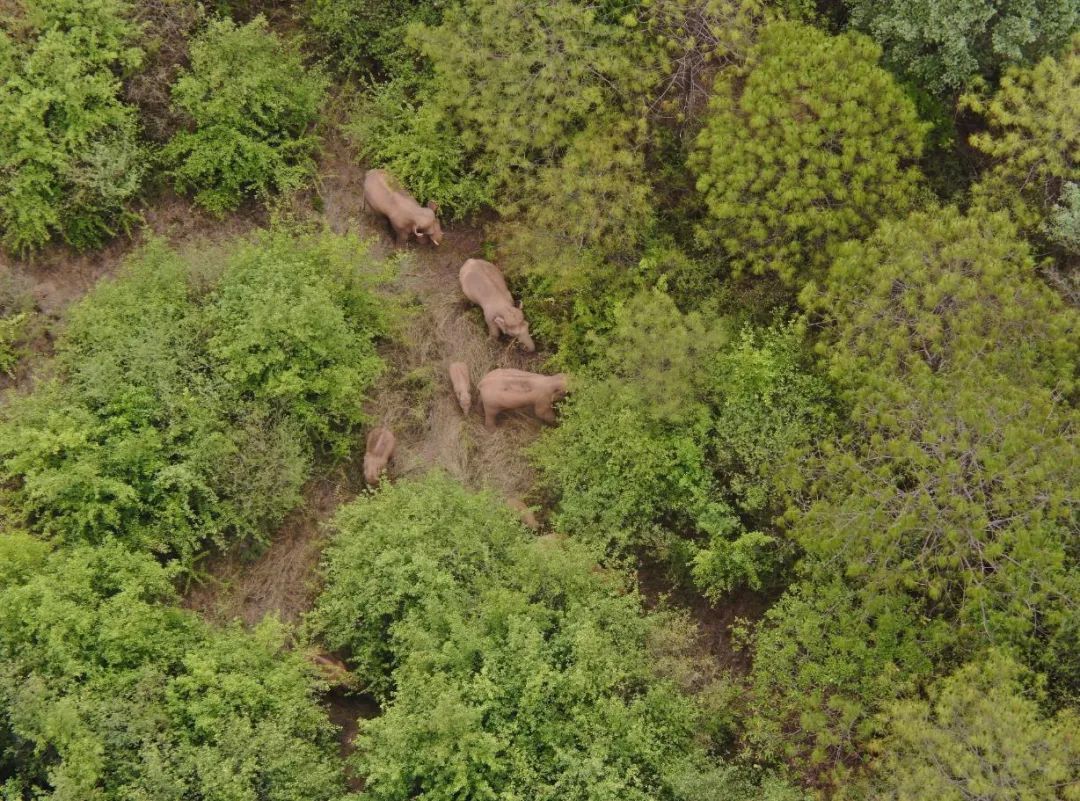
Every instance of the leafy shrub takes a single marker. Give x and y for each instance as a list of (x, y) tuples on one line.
[(1033, 137), (678, 435), (826, 661), (942, 44), (364, 34), (108, 691), (19, 319), (981, 735), (70, 159), (509, 667), (807, 145), (418, 146), (192, 392), (251, 103)]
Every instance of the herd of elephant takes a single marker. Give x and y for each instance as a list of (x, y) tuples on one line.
[(483, 284)]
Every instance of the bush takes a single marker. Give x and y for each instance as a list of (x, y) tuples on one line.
[(826, 661), (809, 144), (251, 103), (981, 735), (367, 34), (70, 159), (418, 146), (1033, 137), (192, 392), (510, 667), (674, 441), (943, 44), (108, 691)]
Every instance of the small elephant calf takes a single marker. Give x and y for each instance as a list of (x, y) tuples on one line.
[(459, 378), (380, 449), (505, 389)]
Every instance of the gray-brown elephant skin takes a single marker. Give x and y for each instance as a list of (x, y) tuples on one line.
[(524, 512), (482, 283), (504, 389), (380, 449), (459, 378), (407, 217)]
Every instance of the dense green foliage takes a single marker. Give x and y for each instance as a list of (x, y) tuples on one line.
[(678, 435), (109, 692), (510, 667), (943, 44), (252, 103), (1033, 136), (70, 159), (192, 393), (808, 145), (947, 506), (982, 735), (833, 418)]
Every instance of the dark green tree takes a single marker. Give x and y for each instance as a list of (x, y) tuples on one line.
[(943, 44)]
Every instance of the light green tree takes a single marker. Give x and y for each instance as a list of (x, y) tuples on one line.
[(809, 144), (959, 476), (981, 735), (1033, 137)]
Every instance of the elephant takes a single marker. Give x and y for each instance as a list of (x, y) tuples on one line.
[(407, 217), (459, 378), (505, 389), (524, 512), (380, 449), (482, 283)]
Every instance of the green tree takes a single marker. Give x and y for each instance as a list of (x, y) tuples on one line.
[(109, 691), (509, 666), (672, 442), (1033, 137), (943, 44), (981, 735), (826, 660), (958, 478), (252, 104), (70, 159), (191, 394), (807, 145)]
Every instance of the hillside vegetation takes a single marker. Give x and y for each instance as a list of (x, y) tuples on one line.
[(813, 271)]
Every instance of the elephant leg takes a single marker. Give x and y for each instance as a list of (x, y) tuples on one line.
[(490, 414), (401, 236), (493, 330)]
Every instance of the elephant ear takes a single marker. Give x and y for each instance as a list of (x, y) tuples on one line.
[(500, 320), (433, 206)]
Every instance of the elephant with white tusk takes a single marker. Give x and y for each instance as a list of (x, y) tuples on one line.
[(407, 217), (482, 283)]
